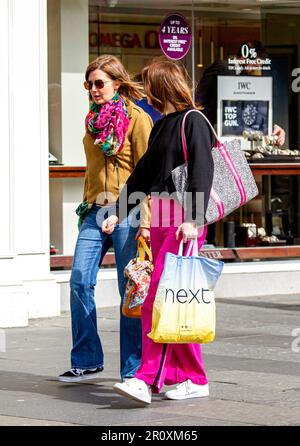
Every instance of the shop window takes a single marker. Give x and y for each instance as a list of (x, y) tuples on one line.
[(266, 228)]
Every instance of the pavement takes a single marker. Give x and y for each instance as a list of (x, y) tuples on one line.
[(253, 368)]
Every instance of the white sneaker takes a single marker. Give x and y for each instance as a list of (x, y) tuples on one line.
[(186, 390), (135, 389)]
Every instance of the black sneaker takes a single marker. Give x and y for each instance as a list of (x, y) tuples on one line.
[(75, 375)]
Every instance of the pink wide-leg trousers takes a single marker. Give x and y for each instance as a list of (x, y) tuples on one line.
[(166, 363)]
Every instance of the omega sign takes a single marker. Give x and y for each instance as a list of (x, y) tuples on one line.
[(148, 40)]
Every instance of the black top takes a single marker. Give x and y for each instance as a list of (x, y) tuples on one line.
[(165, 152)]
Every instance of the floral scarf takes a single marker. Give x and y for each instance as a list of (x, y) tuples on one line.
[(109, 123)]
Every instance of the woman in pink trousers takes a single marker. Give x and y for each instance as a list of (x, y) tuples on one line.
[(167, 90)]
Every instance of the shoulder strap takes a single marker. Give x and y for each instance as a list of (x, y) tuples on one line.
[(183, 138)]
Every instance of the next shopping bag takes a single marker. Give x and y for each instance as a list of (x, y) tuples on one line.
[(184, 306)]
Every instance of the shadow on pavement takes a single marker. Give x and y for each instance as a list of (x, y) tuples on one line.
[(98, 392)]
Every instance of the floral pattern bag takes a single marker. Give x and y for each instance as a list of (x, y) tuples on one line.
[(138, 274)]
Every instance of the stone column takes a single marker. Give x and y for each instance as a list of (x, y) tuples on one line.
[(27, 288)]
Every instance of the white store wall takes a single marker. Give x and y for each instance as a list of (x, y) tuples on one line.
[(27, 289)]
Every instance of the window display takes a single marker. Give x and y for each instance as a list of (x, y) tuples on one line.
[(239, 116), (244, 103), (264, 148), (245, 88)]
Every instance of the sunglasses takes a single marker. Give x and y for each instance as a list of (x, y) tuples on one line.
[(99, 83)]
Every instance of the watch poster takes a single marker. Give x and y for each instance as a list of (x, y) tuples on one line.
[(244, 103)]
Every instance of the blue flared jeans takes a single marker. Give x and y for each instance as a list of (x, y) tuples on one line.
[(92, 245)]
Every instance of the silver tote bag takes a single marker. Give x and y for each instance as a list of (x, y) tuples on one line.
[(233, 182)]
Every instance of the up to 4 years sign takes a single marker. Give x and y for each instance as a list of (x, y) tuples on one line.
[(175, 36)]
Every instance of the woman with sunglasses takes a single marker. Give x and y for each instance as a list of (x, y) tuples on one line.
[(116, 138)]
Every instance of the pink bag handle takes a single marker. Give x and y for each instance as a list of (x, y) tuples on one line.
[(183, 138), (226, 158), (191, 250)]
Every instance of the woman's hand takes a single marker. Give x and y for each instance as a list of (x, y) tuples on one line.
[(145, 233), (109, 224), (188, 230)]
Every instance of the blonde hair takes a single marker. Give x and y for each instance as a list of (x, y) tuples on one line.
[(167, 81), (114, 68)]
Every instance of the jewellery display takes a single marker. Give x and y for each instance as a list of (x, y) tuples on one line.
[(264, 239), (248, 234), (259, 146)]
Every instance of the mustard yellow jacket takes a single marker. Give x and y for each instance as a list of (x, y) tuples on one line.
[(106, 175)]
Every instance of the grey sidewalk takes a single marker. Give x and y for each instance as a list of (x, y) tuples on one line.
[(253, 371)]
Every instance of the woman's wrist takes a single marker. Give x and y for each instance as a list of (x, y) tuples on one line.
[(193, 222)]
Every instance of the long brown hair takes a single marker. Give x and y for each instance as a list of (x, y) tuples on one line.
[(113, 67), (167, 81)]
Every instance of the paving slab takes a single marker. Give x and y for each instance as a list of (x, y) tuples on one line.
[(253, 369)]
